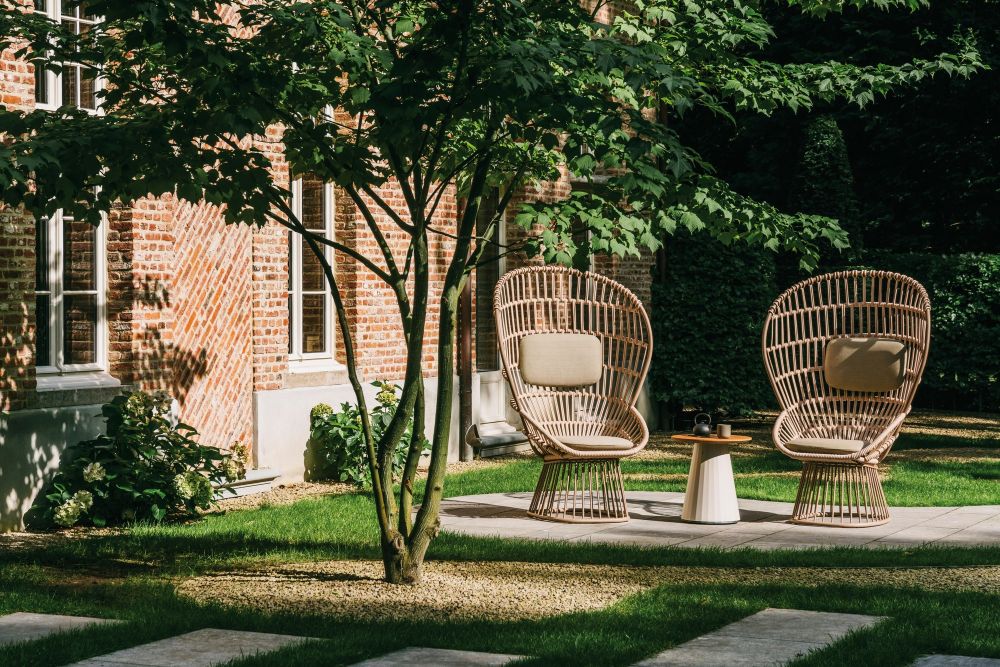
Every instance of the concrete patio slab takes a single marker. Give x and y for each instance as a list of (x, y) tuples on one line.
[(655, 521), (201, 648), (438, 657), (25, 626), (955, 661), (769, 637)]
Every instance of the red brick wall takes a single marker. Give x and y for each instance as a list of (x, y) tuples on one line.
[(269, 294), (211, 363), (17, 260), (370, 305), (200, 309)]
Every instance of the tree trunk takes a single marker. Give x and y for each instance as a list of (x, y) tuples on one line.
[(402, 566)]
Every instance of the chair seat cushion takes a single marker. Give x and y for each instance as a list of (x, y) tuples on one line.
[(596, 442), (826, 445)]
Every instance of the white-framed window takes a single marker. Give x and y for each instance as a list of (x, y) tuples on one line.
[(70, 296), (310, 305), (74, 84)]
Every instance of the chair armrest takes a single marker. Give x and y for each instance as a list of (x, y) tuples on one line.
[(634, 426), (880, 444), (535, 429), (785, 429)]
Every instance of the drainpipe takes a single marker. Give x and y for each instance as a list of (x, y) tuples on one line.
[(465, 371)]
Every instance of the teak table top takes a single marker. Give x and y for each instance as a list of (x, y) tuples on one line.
[(711, 439)]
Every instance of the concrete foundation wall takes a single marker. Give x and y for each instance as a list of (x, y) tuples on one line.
[(31, 442), (281, 423)]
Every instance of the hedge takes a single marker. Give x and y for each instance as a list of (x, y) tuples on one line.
[(709, 306), (963, 368)]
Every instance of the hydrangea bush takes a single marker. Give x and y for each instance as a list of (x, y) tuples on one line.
[(145, 468), (338, 442)]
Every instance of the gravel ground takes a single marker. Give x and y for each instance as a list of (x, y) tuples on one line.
[(448, 591), (284, 494), (516, 591)]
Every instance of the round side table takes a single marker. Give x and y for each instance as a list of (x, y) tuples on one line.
[(711, 490)]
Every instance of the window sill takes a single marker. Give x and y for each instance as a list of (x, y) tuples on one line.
[(71, 381), (315, 373), (60, 391)]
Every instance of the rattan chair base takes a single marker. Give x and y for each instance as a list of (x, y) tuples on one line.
[(580, 491), (841, 495)]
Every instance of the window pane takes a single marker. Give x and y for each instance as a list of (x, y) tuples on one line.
[(312, 270), (291, 269), (80, 328), (41, 87), (313, 323), (42, 356), (312, 203), (88, 89), (41, 256), (69, 77), (40, 5), (291, 324), (79, 261), (487, 276)]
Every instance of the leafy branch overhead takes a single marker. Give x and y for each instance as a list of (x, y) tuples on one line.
[(432, 100), (429, 94)]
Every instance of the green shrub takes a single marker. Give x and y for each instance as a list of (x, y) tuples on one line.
[(709, 307), (707, 312), (145, 468), (824, 182), (963, 368), (337, 441)]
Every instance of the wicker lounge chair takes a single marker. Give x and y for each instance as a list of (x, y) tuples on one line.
[(845, 353), (575, 349)]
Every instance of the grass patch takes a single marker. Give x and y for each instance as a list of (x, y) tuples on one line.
[(639, 626), (131, 574)]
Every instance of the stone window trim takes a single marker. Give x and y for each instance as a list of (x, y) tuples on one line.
[(55, 292), (301, 359)]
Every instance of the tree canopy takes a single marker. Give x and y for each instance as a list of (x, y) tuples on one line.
[(432, 97)]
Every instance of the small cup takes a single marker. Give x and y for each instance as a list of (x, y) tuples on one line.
[(724, 430)]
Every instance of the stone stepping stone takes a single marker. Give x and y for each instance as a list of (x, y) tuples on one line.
[(439, 657), (26, 626), (769, 637), (955, 661), (201, 648)]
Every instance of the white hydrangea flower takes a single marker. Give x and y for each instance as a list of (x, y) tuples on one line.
[(183, 486), (94, 472), (85, 499), (67, 514)]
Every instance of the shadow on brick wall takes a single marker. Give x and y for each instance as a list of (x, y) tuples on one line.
[(14, 339)]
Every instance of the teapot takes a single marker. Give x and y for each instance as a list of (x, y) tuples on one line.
[(702, 429)]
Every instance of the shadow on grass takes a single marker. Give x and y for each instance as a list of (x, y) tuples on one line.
[(639, 626)]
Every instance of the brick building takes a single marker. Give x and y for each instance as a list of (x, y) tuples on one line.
[(234, 322)]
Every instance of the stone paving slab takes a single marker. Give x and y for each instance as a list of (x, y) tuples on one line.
[(439, 657), (955, 661), (26, 626), (201, 648), (769, 637), (764, 525)]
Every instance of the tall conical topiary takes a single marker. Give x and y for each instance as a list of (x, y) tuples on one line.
[(824, 183)]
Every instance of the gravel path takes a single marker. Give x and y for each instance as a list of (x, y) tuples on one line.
[(515, 591)]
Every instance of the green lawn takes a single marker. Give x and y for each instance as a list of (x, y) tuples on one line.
[(131, 575)]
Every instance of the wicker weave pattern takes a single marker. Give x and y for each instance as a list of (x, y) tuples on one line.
[(534, 300), (798, 327)]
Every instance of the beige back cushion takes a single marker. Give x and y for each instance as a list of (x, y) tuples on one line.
[(865, 364), (561, 359)]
